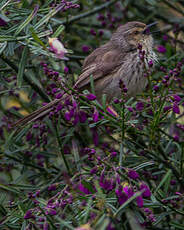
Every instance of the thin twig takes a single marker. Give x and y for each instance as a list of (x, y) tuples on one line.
[(171, 5), (83, 15)]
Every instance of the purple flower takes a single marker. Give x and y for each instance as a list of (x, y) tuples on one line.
[(2, 22), (103, 23), (29, 136), (106, 184), (45, 226), (139, 47), (139, 106), (52, 187), (59, 95), (95, 136), (57, 47), (122, 197), (29, 215), (66, 69), (167, 108), (139, 201), (147, 210), (113, 154), (55, 90), (164, 82), (147, 192), (116, 101), (165, 37), (100, 17), (76, 119), (100, 32), (83, 189), (150, 63), (95, 115), (112, 111), (151, 218), (68, 116), (94, 170), (130, 109), (93, 32), (85, 48), (129, 191), (161, 49), (110, 227), (125, 90), (173, 182), (84, 227), (133, 174), (51, 212), (91, 97), (176, 108), (156, 88), (82, 116), (59, 107), (176, 98), (176, 138)]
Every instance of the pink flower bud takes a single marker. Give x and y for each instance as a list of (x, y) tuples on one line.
[(58, 48)]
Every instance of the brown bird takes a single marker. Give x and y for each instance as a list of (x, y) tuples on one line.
[(118, 59)]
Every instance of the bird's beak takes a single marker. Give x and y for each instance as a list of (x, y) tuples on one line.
[(147, 28)]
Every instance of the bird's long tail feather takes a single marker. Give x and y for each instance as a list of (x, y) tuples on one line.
[(44, 110)]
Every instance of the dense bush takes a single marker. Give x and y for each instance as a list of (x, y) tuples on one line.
[(88, 166)]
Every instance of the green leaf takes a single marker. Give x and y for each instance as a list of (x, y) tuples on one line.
[(88, 186), (22, 65), (99, 190), (164, 180), (121, 154), (2, 46), (4, 38), (8, 188), (87, 210), (48, 16), (132, 219), (27, 21), (103, 223), (36, 38), (176, 225), (9, 141), (58, 31), (20, 134), (3, 4), (64, 224), (151, 2), (92, 84), (102, 220), (75, 151), (4, 17)]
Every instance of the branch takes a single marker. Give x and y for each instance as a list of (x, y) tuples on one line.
[(171, 5), (84, 15)]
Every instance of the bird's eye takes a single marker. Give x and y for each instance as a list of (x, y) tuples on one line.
[(136, 32)]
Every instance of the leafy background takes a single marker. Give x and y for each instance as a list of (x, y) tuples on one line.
[(82, 167)]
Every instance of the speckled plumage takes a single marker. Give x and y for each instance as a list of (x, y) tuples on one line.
[(118, 60)]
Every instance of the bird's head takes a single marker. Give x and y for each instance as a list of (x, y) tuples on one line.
[(131, 34)]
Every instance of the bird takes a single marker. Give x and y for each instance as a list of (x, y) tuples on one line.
[(115, 61)]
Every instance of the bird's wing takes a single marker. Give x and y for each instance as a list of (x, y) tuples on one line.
[(98, 64)]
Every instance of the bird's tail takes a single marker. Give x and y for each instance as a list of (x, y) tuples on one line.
[(43, 111)]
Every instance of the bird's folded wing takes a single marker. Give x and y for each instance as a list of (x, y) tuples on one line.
[(99, 64)]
